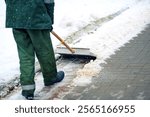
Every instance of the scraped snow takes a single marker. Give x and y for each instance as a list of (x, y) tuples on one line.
[(84, 76)]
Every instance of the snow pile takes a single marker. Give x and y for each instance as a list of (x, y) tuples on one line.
[(84, 76), (89, 70)]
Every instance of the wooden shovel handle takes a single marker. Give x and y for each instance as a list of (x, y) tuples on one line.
[(63, 42)]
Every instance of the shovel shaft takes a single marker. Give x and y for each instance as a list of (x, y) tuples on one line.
[(63, 42)]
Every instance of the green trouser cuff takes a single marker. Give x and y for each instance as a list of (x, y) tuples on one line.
[(49, 77)]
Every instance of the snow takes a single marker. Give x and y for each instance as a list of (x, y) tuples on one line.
[(73, 15), (107, 39), (76, 14), (8, 60)]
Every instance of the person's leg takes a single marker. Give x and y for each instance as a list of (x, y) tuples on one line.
[(45, 54), (27, 60)]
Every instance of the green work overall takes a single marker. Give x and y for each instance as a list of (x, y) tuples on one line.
[(29, 43), (32, 21)]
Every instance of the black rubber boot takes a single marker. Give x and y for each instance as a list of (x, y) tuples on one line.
[(28, 95), (59, 78)]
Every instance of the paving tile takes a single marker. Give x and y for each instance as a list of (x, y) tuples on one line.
[(125, 76)]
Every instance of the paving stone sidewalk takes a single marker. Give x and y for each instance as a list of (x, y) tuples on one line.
[(126, 76)]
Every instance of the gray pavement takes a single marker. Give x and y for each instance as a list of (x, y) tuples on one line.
[(126, 76)]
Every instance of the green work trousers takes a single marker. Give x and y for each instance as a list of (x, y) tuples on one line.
[(30, 43)]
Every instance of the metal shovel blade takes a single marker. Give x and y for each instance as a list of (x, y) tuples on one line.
[(79, 52)]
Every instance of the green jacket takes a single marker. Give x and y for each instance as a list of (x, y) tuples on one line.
[(29, 14)]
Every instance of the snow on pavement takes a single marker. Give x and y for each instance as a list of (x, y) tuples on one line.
[(103, 42), (110, 37)]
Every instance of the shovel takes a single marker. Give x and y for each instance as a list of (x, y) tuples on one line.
[(72, 52)]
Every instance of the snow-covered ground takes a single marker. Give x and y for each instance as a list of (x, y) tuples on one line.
[(71, 16)]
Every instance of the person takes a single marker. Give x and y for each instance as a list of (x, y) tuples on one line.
[(31, 22)]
